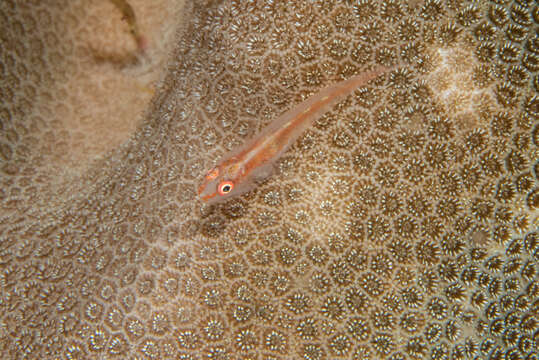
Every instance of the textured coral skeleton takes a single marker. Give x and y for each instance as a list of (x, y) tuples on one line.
[(402, 225)]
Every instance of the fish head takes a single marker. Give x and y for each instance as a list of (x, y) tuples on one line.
[(220, 183)]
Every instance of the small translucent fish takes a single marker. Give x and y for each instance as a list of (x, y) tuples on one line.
[(241, 169)]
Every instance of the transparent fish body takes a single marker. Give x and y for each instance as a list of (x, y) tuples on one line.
[(242, 169)]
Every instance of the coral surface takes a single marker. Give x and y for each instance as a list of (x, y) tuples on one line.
[(402, 225)]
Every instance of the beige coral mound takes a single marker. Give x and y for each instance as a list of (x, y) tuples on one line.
[(402, 225)]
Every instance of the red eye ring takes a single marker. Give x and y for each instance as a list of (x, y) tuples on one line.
[(225, 187)]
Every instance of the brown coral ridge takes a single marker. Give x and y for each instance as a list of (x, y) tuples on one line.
[(402, 225)]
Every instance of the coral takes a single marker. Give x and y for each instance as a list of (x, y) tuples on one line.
[(403, 223)]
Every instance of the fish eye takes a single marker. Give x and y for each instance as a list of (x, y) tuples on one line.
[(225, 187)]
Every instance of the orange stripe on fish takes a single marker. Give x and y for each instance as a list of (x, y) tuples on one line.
[(240, 170)]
